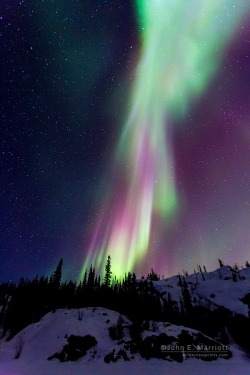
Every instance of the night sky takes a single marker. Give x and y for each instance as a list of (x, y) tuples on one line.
[(66, 71)]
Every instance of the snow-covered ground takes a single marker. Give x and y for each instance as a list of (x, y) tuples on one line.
[(43, 339), (218, 288)]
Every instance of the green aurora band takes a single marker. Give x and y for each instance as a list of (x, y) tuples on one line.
[(182, 45)]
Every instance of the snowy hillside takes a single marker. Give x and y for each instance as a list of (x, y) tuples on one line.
[(43, 339), (222, 287), (99, 341)]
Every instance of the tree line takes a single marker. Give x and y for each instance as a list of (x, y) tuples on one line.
[(28, 301)]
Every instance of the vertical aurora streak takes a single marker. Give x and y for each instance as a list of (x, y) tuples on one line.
[(182, 42)]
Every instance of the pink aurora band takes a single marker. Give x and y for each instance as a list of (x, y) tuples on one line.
[(182, 44)]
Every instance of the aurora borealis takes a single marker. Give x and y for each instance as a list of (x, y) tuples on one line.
[(125, 132), (181, 47)]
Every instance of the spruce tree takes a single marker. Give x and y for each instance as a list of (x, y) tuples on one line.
[(186, 297), (179, 280), (91, 277), (220, 263), (108, 273), (56, 276)]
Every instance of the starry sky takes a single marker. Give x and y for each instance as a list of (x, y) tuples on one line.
[(66, 71)]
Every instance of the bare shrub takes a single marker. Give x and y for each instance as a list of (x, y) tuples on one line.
[(79, 314), (19, 346)]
